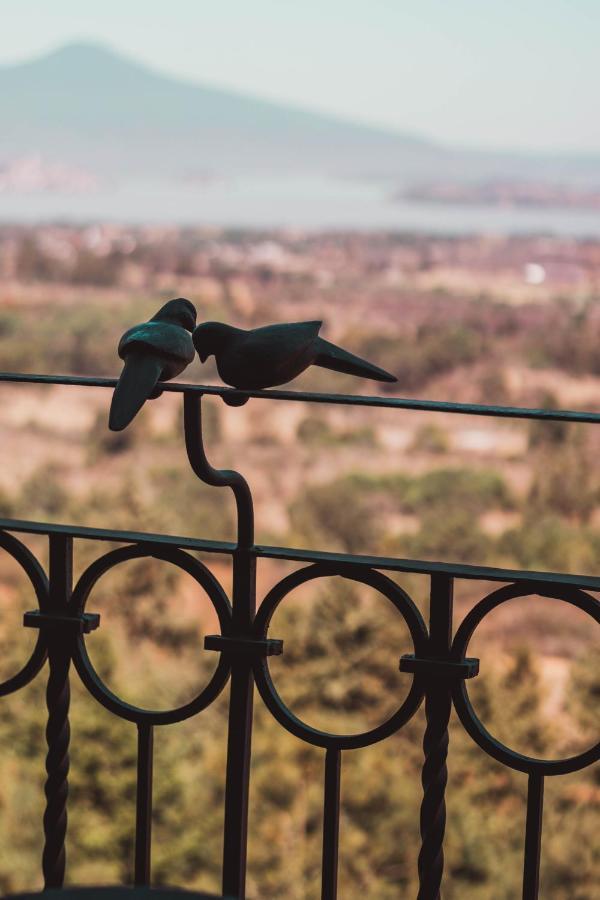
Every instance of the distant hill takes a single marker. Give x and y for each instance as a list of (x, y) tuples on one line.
[(86, 106), (84, 103)]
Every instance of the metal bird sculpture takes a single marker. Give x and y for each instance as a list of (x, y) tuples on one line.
[(275, 354), (153, 351)]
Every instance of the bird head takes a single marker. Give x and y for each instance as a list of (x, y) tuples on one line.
[(177, 312), (209, 338)]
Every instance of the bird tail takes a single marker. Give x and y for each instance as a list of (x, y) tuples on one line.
[(330, 356), (138, 379)]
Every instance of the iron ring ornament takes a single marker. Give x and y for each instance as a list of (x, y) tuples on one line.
[(418, 632), (462, 703), (83, 663), (36, 575)]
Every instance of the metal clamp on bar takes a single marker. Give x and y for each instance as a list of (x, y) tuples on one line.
[(464, 668), (254, 646), (81, 624)]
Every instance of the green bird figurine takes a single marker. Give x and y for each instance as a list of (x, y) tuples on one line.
[(153, 351), (275, 354)]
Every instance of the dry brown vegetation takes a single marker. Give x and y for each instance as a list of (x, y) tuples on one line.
[(455, 320)]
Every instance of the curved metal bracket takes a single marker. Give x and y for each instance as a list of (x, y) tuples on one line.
[(236, 649), (194, 445)]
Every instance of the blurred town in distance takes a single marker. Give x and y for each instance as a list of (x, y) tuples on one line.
[(513, 269)]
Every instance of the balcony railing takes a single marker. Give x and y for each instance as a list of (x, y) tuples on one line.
[(440, 666)]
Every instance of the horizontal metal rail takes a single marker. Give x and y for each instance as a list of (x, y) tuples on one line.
[(297, 554), (232, 394)]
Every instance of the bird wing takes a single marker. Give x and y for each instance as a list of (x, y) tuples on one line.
[(277, 350), (279, 344), (286, 338), (330, 356), (138, 379), (170, 340)]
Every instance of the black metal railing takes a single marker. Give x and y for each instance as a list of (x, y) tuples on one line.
[(439, 665)]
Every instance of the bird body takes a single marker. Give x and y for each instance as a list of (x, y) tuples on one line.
[(275, 354), (152, 351), (169, 341)]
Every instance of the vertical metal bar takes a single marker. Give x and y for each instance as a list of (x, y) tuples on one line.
[(331, 824), (533, 837), (239, 738), (237, 780), (58, 697), (143, 815), (434, 777)]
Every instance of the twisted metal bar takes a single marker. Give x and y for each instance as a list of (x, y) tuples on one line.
[(58, 696), (434, 776)]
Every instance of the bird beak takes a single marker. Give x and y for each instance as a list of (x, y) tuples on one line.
[(200, 343)]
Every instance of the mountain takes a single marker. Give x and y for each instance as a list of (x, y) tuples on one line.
[(86, 106), (84, 103)]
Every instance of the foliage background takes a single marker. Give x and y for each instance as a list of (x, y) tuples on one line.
[(354, 481)]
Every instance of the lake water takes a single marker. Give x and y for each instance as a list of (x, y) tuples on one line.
[(298, 202)]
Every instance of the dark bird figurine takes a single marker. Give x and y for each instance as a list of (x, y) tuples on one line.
[(153, 351), (275, 354)]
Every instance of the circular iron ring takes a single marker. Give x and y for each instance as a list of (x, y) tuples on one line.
[(399, 599), (25, 558), (462, 702), (82, 661)]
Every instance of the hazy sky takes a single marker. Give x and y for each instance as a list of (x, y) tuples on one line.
[(519, 74)]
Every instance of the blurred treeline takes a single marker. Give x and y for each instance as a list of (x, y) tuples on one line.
[(76, 338), (420, 330), (339, 671)]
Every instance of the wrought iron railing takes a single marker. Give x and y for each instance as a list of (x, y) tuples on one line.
[(439, 664)]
